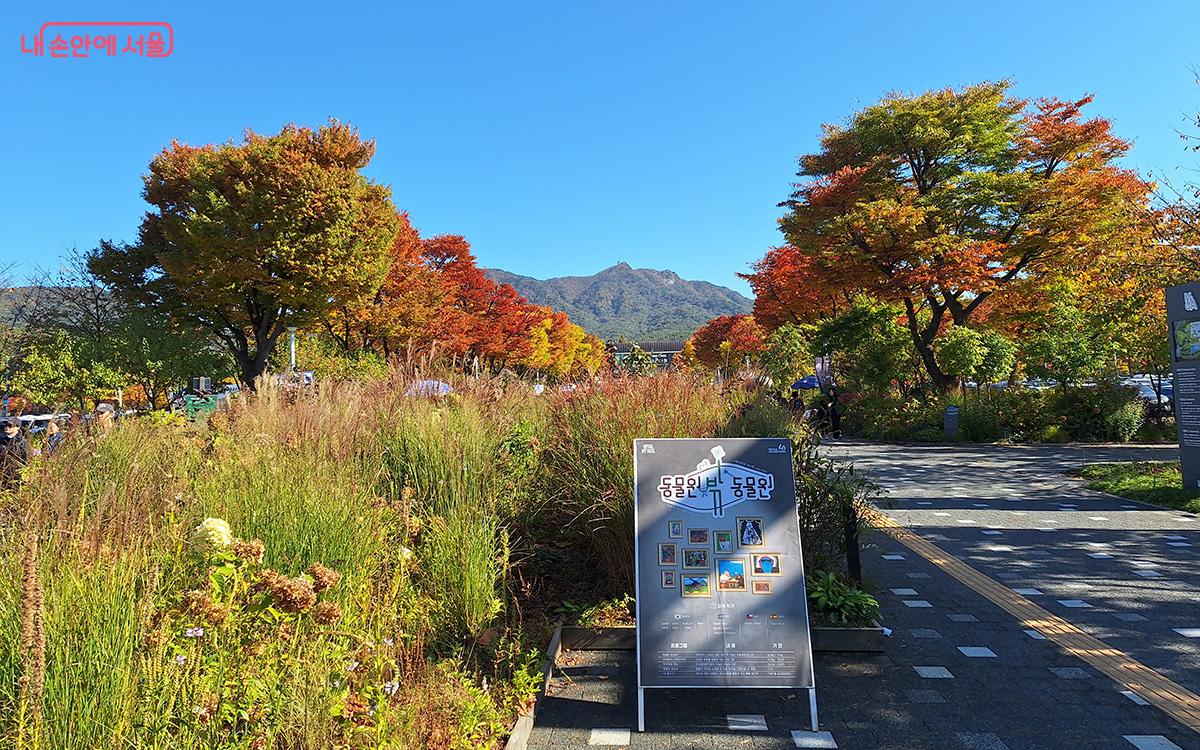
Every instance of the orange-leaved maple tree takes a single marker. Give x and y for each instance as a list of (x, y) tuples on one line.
[(939, 202), (726, 340)]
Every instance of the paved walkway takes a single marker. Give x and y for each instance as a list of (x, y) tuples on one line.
[(961, 671)]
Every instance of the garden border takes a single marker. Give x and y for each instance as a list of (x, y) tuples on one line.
[(518, 738)]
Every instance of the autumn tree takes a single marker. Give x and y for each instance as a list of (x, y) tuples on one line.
[(787, 354), (790, 288), (245, 240), (727, 340), (939, 201), (866, 345), (480, 318), (401, 311)]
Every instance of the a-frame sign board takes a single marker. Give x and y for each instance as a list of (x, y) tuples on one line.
[(720, 578)]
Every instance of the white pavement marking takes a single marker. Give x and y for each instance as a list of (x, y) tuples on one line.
[(1148, 573), (609, 737), (977, 652), (1130, 507), (1135, 697), (941, 514), (916, 603), (991, 532), (1044, 528), (1178, 544), (924, 502), (980, 505), (904, 592), (1035, 635), (1175, 537), (1151, 742), (747, 722), (965, 520), (1129, 617), (934, 673), (1097, 518), (1188, 632), (1027, 592), (813, 740), (1074, 603), (1100, 555), (893, 557)]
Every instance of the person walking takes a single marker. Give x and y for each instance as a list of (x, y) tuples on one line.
[(835, 413), (53, 436), (14, 453)]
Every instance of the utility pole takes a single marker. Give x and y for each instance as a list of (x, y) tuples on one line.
[(292, 350)]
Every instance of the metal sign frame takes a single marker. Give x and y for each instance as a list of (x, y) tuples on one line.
[(732, 493), (1183, 321)]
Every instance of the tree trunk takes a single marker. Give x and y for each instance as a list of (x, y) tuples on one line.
[(923, 343)]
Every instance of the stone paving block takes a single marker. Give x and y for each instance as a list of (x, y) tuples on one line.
[(1151, 742), (814, 740), (980, 741)]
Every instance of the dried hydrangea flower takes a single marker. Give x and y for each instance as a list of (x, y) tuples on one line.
[(292, 594), (326, 612), (323, 577), (251, 552)]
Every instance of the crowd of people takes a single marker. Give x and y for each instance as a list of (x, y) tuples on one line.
[(17, 450), (824, 413)]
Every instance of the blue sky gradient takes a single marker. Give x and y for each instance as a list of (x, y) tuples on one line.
[(559, 138)]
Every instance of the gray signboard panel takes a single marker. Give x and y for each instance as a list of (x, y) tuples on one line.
[(1183, 320), (720, 578)]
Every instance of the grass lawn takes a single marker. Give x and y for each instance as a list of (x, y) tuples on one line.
[(1154, 482)]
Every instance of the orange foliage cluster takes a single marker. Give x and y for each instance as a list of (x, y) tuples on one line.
[(436, 297), (725, 340)]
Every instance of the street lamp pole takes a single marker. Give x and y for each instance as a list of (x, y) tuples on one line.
[(292, 349)]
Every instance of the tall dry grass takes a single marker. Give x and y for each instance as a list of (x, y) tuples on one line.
[(318, 476), (588, 455)]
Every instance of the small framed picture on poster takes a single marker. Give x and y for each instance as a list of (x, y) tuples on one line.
[(731, 574), (675, 529), (723, 541), (669, 579), (667, 554), (696, 558), (758, 587), (750, 532), (698, 536), (697, 585), (766, 564)]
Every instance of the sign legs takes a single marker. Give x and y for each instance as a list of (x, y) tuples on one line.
[(642, 709), (812, 706)]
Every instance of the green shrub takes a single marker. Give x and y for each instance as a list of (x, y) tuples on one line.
[(1085, 412), (1055, 434), (979, 422), (1123, 423), (841, 603)]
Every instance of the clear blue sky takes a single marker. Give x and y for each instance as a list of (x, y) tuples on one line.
[(558, 137)]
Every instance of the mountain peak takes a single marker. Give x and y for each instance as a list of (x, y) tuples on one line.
[(640, 304)]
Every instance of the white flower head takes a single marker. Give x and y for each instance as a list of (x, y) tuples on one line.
[(195, 632), (211, 535), (392, 687)]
